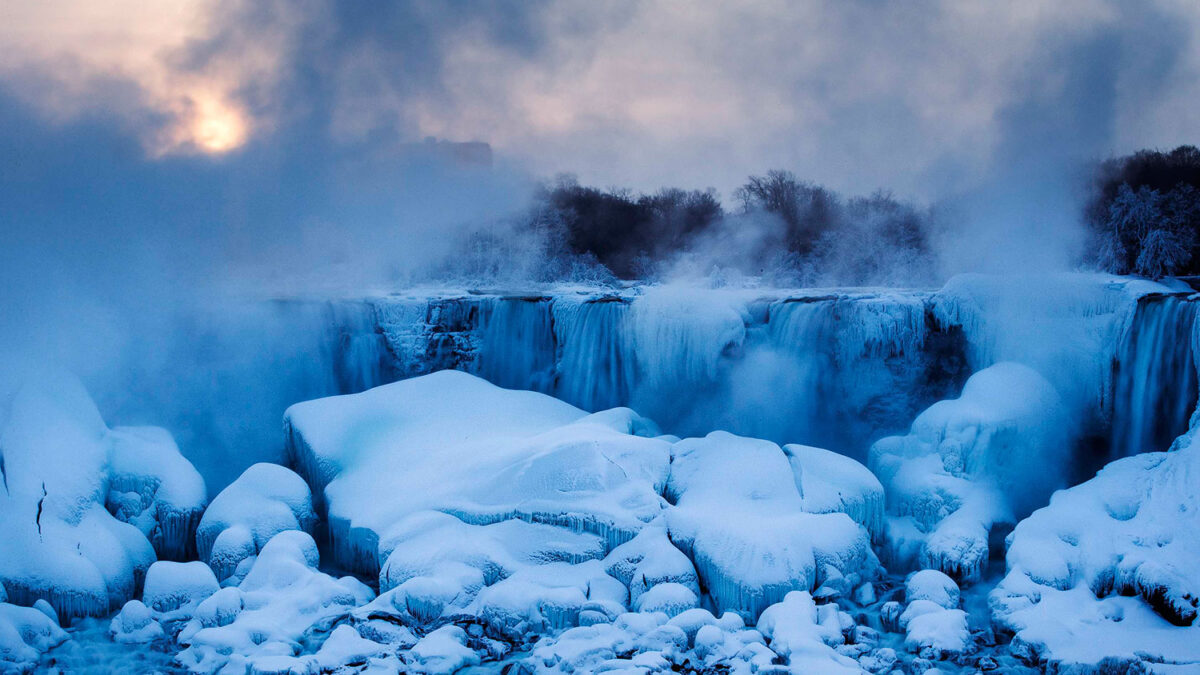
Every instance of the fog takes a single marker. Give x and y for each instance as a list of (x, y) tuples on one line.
[(161, 175)]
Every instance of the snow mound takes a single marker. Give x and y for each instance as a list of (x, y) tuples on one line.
[(152, 486), (25, 634), (285, 604), (60, 543), (805, 634), (740, 517), (170, 585), (479, 452), (694, 641), (833, 483), (969, 464), (265, 500), (1108, 570)]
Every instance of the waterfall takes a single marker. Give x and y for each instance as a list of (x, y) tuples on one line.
[(596, 365), (1155, 383), (360, 357), (516, 343)]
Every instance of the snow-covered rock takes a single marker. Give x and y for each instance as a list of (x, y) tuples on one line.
[(969, 464), (60, 543), (25, 634), (833, 483), (650, 559), (932, 585), (170, 585), (152, 486), (1108, 570), (265, 500), (740, 517), (284, 603), (805, 634), (479, 452), (651, 643)]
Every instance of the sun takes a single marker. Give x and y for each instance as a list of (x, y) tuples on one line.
[(216, 127)]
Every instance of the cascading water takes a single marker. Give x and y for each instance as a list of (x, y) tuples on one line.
[(1155, 383), (596, 367), (516, 343)]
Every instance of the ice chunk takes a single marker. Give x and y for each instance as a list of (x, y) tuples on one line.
[(424, 542), (60, 544), (648, 642), (481, 453), (971, 463), (650, 559), (265, 500), (740, 517), (170, 585), (939, 634), (547, 598), (1108, 569), (345, 647), (669, 598), (135, 623)]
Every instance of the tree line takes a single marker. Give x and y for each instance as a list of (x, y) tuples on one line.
[(1144, 213), (780, 225)]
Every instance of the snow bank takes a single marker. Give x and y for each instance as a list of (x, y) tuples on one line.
[(264, 501), (739, 516), (1108, 570), (969, 464), (60, 543), (479, 452)]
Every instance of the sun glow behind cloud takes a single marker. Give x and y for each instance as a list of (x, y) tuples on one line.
[(74, 42), (915, 97)]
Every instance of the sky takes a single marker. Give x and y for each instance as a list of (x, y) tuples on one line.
[(923, 98)]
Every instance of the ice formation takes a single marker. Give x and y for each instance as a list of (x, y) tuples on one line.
[(264, 501), (514, 529), (1107, 573), (479, 452), (739, 515), (963, 469), (152, 486), (61, 466)]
